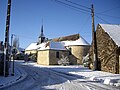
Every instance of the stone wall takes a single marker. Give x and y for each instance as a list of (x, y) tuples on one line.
[(79, 52), (107, 52), (52, 56)]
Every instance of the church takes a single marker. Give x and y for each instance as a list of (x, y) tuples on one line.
[(48, 52)]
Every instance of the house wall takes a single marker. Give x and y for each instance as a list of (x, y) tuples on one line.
[(48, 57), (43, 57), (52, 56), (106, 51), (79, 52), (30, 51)]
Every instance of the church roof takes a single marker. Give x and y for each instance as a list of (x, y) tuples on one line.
[(81, 41), (70, 38), (113, 31)]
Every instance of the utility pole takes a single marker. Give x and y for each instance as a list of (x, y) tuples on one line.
[(94, 48), (6, 45)]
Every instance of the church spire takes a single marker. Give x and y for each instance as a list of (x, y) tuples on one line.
[(41, 38), (42, 31)]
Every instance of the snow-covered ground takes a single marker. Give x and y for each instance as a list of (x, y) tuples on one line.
[(103, 77), (75, 71), (19, 75)]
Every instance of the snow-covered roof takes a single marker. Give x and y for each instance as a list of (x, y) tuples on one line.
[(32, 46), (80, 41), (113, 31), (53, 45), (56, 45), (35, 46)]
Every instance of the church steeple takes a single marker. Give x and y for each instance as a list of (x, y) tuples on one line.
[(42, 35), (41, 38)]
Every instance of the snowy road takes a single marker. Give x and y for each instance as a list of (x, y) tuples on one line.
[(41, 78)]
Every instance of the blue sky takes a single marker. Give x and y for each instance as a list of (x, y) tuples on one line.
[(58, 19)]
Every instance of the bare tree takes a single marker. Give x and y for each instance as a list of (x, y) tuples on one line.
[(16, 42)]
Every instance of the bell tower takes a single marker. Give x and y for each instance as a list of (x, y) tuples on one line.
[(41, 38)]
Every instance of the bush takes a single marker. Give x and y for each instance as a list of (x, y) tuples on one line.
[(86, 61), (33, 57), (19, 56), (64, 61)]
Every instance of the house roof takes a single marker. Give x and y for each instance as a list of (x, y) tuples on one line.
[(32, 46), (53, 45), (70, 38), (113, 31), (80, 41)]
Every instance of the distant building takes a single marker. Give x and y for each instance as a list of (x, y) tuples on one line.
[(32, 48), (108, 47)]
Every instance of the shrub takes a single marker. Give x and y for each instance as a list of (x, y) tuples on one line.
[(33, 57), (64, 61), (86, 61)]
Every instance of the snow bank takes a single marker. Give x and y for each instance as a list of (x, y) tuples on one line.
[(18, 76)]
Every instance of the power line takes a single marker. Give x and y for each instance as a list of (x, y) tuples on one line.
[(102, 19), (78, 4), (108, 15), (63, 3), (103, 12), (74, 9), (85, 11), (109, 10)]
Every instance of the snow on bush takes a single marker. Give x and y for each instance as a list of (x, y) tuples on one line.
[(86, 61), (93, 78), (109, 81), (117, 84), (64, 61)]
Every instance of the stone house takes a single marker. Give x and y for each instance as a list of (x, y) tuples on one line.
[(79, 48), (108, 47), (51, 52)]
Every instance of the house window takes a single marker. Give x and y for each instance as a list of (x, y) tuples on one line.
[(57, 54)]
